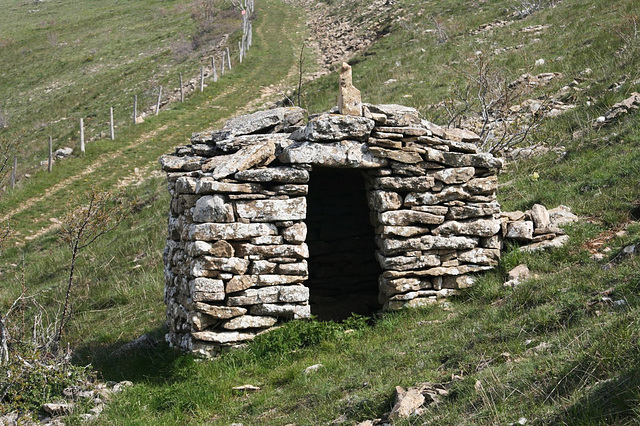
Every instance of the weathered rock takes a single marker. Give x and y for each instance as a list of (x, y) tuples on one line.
[(213, 208), (349, 98), (273, 210), (480, 256), (223, 337), (384, 200), (269, 121), (408, 217), (427, 242), (288, 311), (202, 266), (403, 231), (262, 267), (334, 127), (239, 283), (336, 154), (401, 156), (220, 312), (291, 250), (231, 231), (247, 157), (296, 233), (211, 186), (473, 210), (249, 321), (539, 216), (562, 215), (170, 163), (521, 230), (478, 227), (274, 174), (206, 290), (422, 183), (397, 115), (406, 263), (517, 275), (455, 175), (406, 403), (548, 244)]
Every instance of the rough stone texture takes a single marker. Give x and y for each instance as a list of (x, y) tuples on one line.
[(349, 99), (236, 254)]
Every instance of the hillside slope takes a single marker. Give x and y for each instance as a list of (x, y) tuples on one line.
[(560, 348)]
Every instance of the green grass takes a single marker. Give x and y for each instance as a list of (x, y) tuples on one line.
[(485, 339)]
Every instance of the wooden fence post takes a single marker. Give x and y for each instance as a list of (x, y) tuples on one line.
[(222, 68), (201, 79), (181, 89), (159, 98), (135, 108), (13, 173), (50, 163), (112, 132), (240, 49), (229, 58), (82, 135), (213, 68)]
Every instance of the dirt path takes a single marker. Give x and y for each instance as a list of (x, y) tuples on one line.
[(140, 172)]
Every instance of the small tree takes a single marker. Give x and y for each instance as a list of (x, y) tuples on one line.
[(82, 226)]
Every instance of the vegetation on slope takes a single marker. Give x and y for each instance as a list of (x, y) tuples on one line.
[(561, 348)]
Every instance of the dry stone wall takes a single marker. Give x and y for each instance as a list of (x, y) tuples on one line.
[(236, 260)]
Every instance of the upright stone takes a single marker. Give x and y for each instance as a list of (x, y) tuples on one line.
[(349, 99)]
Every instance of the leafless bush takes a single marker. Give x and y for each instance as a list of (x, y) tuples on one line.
[(82, 226), (181, 50), (488, 105), (441, 32), (524, 8)]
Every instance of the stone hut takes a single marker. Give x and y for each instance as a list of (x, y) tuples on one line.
[(275, 218)]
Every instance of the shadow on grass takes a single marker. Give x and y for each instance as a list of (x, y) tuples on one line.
[(148, 359)]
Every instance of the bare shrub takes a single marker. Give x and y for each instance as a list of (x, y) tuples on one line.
[(440, 30), (489, 105), (524, 8), (82, 226)]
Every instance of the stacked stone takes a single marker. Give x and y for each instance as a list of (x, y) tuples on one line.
[(537, 228), (436, 214), (235, 260)]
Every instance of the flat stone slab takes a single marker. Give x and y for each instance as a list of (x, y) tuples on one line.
[(345, 154)]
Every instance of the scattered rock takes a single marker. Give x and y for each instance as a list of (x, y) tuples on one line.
[(517, 275), (313, 368), (245, 388)]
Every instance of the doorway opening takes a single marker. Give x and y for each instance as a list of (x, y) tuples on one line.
[(343, 271)]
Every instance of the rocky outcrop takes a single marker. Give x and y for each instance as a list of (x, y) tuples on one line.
[(236, 260)]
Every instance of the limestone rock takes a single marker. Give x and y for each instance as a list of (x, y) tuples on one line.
[(521, 230), (269, 121), (540, 216), (384, 200), (207, 185), (231, 231), (336, 154), (220, 312), (296, 233), (406, 403), (349, 99), (543, 245), (288, 311), (274, 174), (473, 210), (397, 115), (408, 217), (455, 175), (477, 227), (249, 321), (246, 158), (239, 283), (213, 208), (222, 337), (396, 155), (562, 215), (273, 210), (171, 163), (333, 127), (201, 266)]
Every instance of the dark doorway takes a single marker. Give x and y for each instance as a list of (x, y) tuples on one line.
[(343, 271)]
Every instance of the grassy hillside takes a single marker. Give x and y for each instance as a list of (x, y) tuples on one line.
[(561, 348)]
